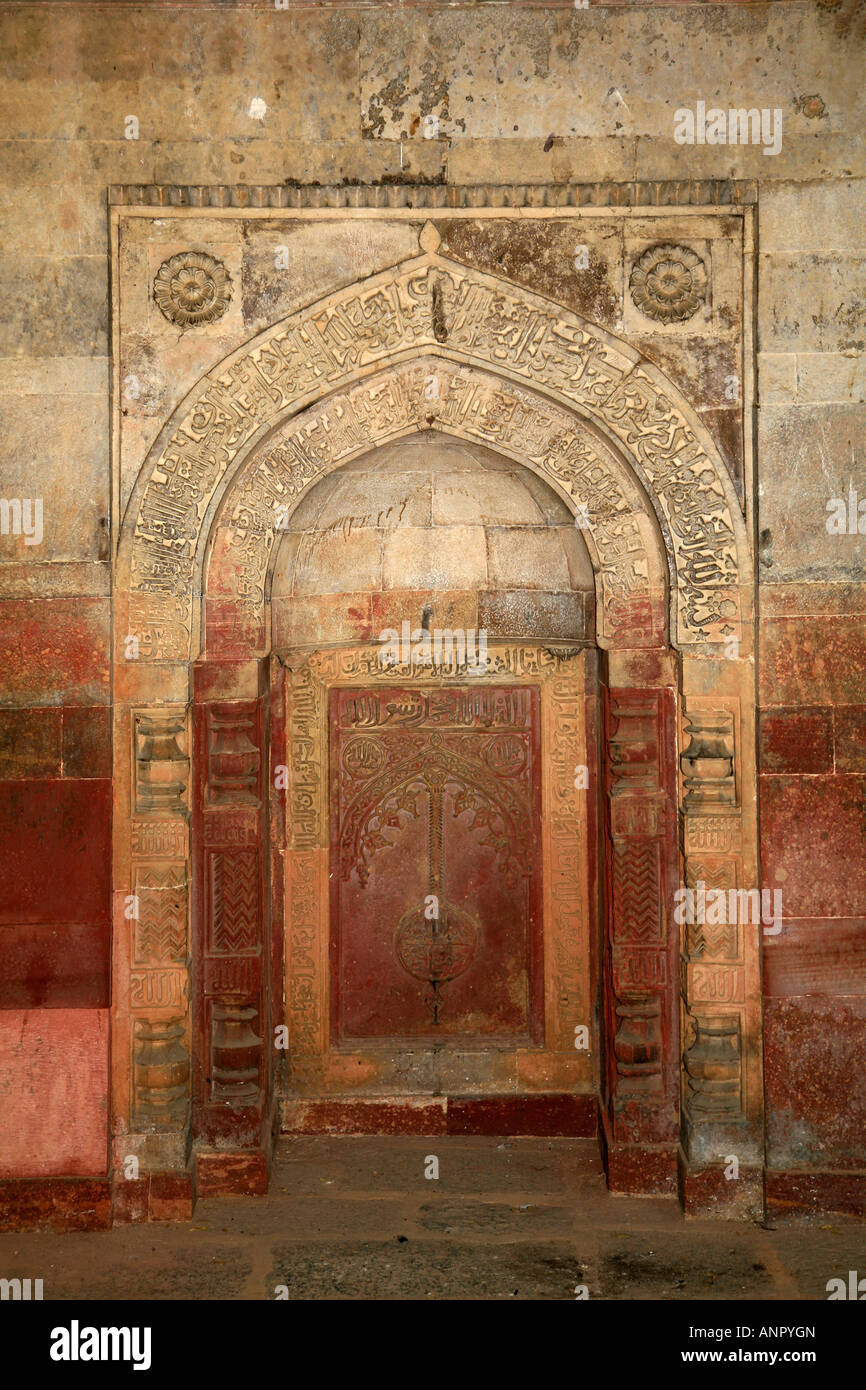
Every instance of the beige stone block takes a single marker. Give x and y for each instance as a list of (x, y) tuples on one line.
[(47, 376), (39, 108), (811, 302), (36, 223), (494, 499), (56, 448), (321, 620), (288, 265), (553, 508), (580, 569), (374, 499), (523, 559), (442, 557), (804, 154), (810, 454), (54, 306), (57, 580), (570, 159), (38, 163), (335, 561), (247, 159), (822, 215), (831, 376), (101, 162), (777, 377)]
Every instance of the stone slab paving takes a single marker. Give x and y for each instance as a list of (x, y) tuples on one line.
[(355, 1218)]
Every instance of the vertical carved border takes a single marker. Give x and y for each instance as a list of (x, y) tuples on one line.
[(642, 861), (231, 917), (722, 1085), (151, 1008)]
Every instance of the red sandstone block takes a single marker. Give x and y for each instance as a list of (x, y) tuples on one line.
[(130, 1200), (812, 661), (813, 844), (55, 966), (53, 1092), (850, 738), (641, 1171), (87, 742), (54, 651), (790, 1193), (543, 1114), (56, 1204), (171, 1197), (796, 740), (227, 1175), (29, 743), (55, 842), (364, 1117), (815, 1086), (708, 1192), (816, 956)]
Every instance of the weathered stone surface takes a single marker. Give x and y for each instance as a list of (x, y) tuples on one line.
[(72, 317), (806, 1124), (796, 740), (814, 843), (811, 455), (30, 743), (804, 216), (54, 1082), (55, 448), (813, 302), (54, 651)]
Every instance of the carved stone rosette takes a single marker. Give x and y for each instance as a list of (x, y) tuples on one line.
[(192, 288)]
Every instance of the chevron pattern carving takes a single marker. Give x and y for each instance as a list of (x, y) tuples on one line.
[(636, 891), (234, 901), (160, 933), (717, 940), (161, 930)]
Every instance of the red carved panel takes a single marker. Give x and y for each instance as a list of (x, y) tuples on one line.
[(435, 794), (641, 949)]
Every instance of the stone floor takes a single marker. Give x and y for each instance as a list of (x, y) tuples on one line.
[(355, 1218)]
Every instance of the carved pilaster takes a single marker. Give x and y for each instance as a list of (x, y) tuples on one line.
[(230, 821), (642, 1091)]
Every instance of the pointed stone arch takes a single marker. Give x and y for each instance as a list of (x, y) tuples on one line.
[(431, 306)]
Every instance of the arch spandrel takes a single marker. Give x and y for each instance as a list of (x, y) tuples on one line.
[(431, 305)]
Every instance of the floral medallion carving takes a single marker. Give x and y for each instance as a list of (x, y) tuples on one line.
[(669, 283), (192, 288)]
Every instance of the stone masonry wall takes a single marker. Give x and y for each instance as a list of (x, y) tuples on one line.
[(484, 93)]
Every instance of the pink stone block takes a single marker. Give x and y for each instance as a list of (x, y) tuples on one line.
[(53, 1092)]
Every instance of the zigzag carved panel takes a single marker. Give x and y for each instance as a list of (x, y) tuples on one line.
[(160, 930), (637, 914), (233, 883)]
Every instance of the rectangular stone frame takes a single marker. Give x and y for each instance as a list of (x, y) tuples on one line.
[(571, 970)]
